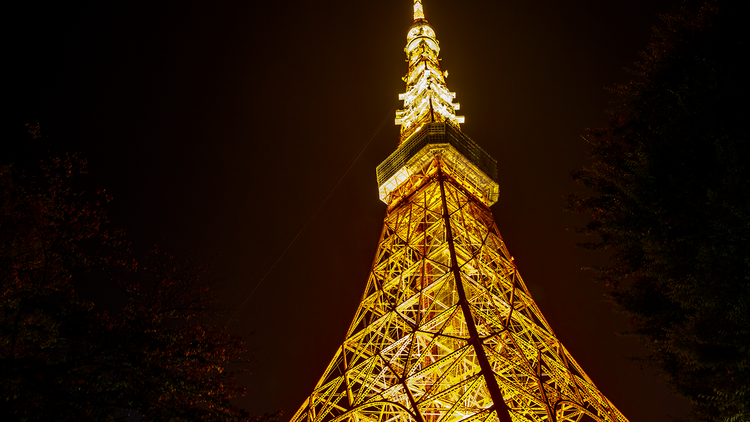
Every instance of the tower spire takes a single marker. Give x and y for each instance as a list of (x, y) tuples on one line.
[(427, 94), (447, 330), (418, 11)]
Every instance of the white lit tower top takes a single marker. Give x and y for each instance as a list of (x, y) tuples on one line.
[(430, 130), (427, 98)]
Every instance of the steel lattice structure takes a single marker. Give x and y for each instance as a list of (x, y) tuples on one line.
[(446, 330)]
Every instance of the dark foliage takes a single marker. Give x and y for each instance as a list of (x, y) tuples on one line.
[(671, 201), (153, 356)]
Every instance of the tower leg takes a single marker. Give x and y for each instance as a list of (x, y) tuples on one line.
[(489, 376)]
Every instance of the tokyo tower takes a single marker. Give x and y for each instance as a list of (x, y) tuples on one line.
[(446, 330)]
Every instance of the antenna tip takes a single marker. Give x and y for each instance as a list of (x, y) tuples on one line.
[(418, 10)]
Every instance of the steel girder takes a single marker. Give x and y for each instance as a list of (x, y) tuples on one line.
[(446, 330)]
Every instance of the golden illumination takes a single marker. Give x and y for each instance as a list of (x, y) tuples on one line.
[(427, 98), (420, 164), (409, 353), (446, 330), (418, 11)]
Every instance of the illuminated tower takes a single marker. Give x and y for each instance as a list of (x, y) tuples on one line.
[(446, 330)]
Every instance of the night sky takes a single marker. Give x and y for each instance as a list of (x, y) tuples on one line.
[(221, 126)]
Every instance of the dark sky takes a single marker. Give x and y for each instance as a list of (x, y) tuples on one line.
[(221, 126)]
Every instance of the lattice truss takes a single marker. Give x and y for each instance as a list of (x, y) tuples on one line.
[(409, 354)]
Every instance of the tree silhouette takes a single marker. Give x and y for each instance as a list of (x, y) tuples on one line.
[(671, 201), (150, 354)]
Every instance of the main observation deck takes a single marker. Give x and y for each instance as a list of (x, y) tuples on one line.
[(469, 163)]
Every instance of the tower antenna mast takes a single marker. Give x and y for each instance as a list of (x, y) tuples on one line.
[(446, 330)]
